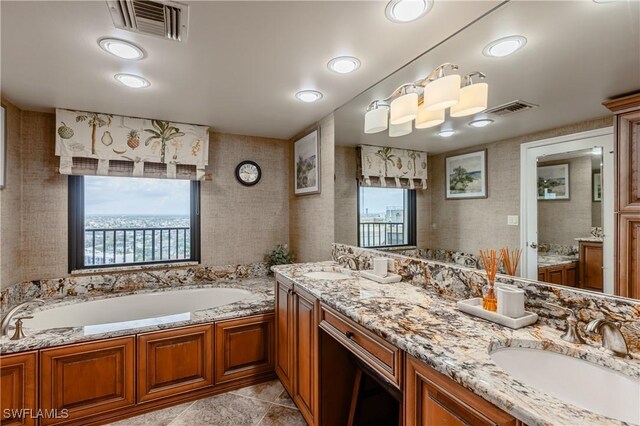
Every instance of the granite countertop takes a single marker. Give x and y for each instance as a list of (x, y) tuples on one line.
[(552, 259), (429, 327), (590, 239), (261, 300)]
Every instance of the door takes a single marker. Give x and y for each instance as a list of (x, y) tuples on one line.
[(174, 361), (19, 388), (284, 333), (305, 359), (540, 202)]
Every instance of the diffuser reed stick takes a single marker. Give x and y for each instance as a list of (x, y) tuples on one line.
[(510, 259), (490, 260)]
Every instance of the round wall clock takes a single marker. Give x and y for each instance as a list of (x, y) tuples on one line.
[(248, 173)]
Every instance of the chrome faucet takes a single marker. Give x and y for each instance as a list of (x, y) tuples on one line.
[(571, 335), (612, 338), (351, 260), (6, 320)]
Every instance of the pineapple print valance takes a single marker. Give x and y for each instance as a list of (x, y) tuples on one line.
[(106, 144), (382, 166)]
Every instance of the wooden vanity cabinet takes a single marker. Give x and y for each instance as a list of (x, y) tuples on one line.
[(431, 398), (244, 347), (87, 379), (563, 274), (18, 388), (284, 333), (174, 361), (591, 277)]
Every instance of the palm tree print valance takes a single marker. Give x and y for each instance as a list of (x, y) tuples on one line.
[(106, 144), (405, 167)]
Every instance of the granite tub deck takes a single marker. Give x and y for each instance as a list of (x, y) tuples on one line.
[(429, 327), (260, 301)]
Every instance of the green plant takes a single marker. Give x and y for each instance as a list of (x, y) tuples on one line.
[(281, 255), (163, 132)]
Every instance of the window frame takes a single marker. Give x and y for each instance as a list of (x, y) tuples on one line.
[(410, 214), (76, 203)]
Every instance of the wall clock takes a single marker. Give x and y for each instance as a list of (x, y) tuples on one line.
[(248, 173)]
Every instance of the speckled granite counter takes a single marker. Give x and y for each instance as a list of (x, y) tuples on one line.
[(428, 326), (260, 301), (552, 259)]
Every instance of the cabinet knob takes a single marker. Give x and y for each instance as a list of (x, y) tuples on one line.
[(349, 334), (290, 291)]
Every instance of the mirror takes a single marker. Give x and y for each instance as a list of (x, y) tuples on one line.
[(484, 169)]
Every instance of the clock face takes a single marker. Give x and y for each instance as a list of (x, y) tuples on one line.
[(248, 173)]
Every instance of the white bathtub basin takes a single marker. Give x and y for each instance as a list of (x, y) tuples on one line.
[(138, 310), (575, 381)]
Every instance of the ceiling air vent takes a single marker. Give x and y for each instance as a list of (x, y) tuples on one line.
[(511, 108), (157, 18)]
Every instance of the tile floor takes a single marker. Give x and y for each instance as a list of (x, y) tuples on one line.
[(266, 404)]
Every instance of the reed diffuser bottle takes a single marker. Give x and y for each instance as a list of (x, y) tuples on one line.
[(491, 260)]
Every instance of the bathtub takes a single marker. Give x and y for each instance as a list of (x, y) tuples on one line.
[(134, 311)]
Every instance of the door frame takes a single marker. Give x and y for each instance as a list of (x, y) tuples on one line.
[(529, 152)]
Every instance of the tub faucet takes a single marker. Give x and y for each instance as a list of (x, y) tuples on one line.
[(612, 337), (6, 320)]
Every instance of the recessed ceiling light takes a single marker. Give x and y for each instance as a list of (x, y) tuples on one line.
[(344, 64), (122, 49), (132, 80), (309, 95), (402, 11), (481, 122), (504, 46), (446, 133)]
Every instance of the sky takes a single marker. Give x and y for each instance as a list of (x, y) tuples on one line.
[(136, 196), (378, 199)]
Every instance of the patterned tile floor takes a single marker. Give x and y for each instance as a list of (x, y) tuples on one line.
[(266, 404)]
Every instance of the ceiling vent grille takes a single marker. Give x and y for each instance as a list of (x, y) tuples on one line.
[(511, 108), (157, 18)]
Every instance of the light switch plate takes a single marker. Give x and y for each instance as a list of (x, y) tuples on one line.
[(512, 220)]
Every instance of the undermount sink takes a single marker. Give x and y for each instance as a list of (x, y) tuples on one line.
[(327, 275), (575, 381)]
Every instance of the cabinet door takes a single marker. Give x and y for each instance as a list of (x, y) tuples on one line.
[(284, 333), (174, 361), (628, 161), (433, 399), (305, 360), (556, 275), (244, 347), (87, 378), (591, 276), (18, 388), (571, 275), (628, 284)]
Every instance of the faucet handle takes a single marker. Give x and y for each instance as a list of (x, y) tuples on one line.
[(572, 335), (19, 334)]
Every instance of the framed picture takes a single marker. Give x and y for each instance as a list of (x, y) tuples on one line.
[(306, 163), (553, 182), (3, 146), (466, 176), (597, 186)]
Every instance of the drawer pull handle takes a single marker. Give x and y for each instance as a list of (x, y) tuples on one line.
[(349, 334)]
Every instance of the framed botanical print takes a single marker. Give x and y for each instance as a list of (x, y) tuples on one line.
[(553, 182), (597, 186), (3, 146), (466, 176), (306, 163)]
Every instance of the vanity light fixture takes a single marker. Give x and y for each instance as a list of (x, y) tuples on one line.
[(344, 64), (396, 130), (426, 100), (309, 96), (132, 80), (481, 122), (504, 46), (446, 133), (121, 48), (403, 11)]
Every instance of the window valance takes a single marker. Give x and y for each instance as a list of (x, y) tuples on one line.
[(403, 167), (90, 143)]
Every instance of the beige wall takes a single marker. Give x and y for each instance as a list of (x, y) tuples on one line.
[(10, 201), (469, 225), (553, 228), (239, 224), (312, 216)]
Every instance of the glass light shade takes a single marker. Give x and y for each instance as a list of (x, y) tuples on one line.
[(426, 119), (404, 108), (442, 93), (396, 130), (473, 99), (376, 120)]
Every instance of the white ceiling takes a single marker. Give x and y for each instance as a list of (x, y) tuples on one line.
[(578, 54), (238, 71)]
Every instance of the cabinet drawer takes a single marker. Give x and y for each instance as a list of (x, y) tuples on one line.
[(18, 388), (380, 355)]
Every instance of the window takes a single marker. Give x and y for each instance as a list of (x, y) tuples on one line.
[(386, 217), (116, 221)]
